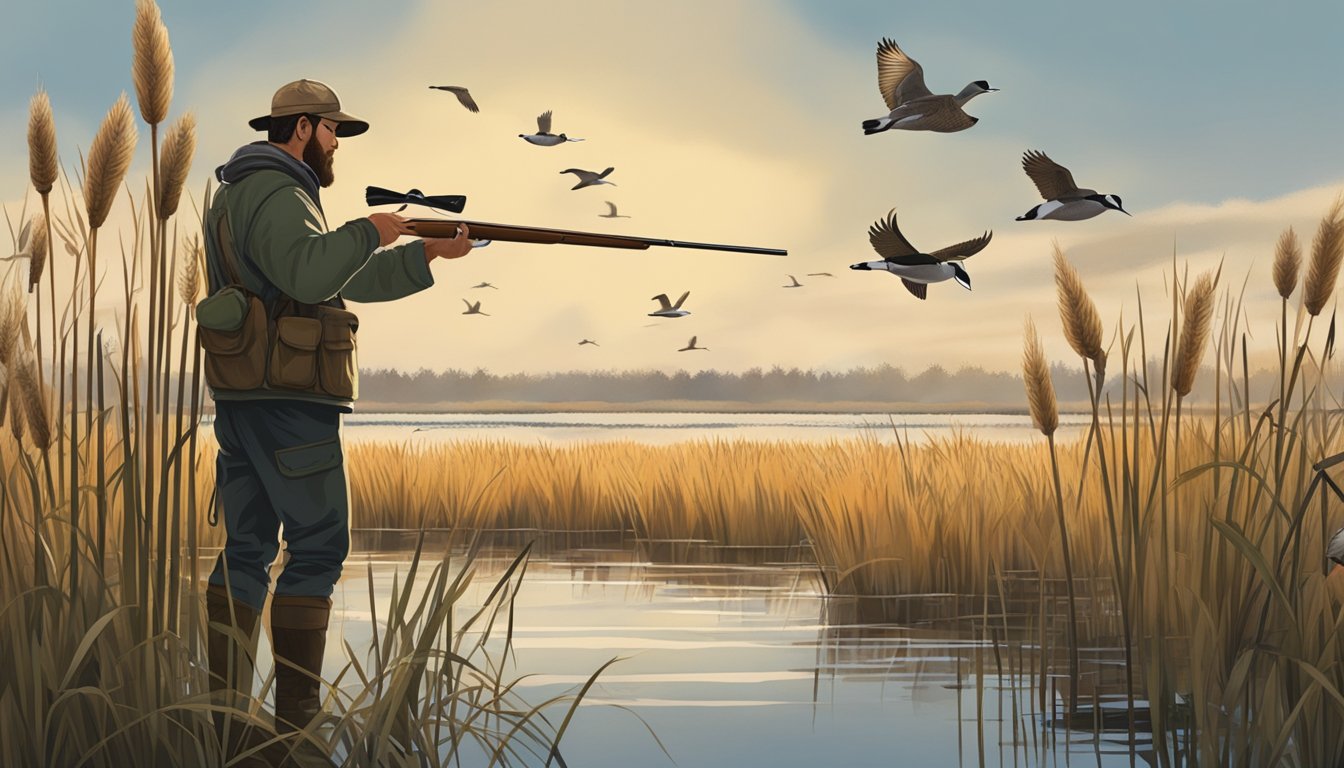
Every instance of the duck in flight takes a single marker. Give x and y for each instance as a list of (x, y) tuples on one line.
[(913, 106), (462, 96), (690, 345), (543, 137), (486, 285), (668, 309), (589, 178), (589, 341), (1064, 200), (794, 281), (917, 269), (474, 309), (611, 211)]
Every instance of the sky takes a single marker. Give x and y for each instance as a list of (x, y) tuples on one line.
[(1217, 123)]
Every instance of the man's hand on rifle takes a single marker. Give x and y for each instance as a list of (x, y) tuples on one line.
[(448, 247), (390, 227)]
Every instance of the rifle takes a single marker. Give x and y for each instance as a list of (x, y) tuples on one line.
[(513, 233)]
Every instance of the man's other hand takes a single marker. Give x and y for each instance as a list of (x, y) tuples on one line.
[(448, 247), (390, 227)]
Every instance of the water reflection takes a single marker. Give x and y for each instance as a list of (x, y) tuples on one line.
[(735, 657)]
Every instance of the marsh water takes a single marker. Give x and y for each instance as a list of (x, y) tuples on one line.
[(732, 658)]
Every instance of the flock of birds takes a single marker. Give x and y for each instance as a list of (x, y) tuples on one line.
[(912, 107)]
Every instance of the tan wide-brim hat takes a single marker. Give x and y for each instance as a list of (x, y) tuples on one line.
[(310, 97)]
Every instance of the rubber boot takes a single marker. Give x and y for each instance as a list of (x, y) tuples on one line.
[(299, 636), (231, 648)]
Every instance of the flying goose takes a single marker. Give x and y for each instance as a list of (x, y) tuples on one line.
[(543, 137), (461, 94), (1064, 200), (474, 309), (690, 345), (668, 309), (820, 274), (486, 285), (913, 106), (1335, 552), (611, 211), (916, 269), (589, 178), (795, 282), (589, 341)]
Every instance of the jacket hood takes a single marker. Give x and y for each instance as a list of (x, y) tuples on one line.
[(264, 156)]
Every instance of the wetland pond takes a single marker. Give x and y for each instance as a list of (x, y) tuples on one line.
[(735, 658)]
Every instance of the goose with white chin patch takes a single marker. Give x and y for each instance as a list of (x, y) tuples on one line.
[(913, 106), (543, 137), (917, 269), (1064, 199)]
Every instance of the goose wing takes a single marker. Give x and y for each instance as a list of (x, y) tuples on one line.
[(582, 174), (462, 95), (899, 77), (611, 207), (962, 250), (918, 290), (943, 114), (1052, 179), (680, 300), (891, 245), (662, 300), (603, 174), (544, 122)]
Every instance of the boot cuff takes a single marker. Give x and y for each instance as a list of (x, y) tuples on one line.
[(300, 612)]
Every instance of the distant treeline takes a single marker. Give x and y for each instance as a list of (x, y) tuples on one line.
[(882, 384)]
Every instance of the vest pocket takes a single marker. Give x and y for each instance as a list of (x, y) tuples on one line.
[(294, 356), (235, 351), (338, 368)]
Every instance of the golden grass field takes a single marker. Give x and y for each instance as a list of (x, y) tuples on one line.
[(1194, 543)]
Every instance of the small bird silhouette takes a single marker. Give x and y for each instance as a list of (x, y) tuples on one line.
[(543, 137), (690, 345), (589, 341), (474, 309), (820, 274), (461, 94), (486, 285), (611, 211), (667, 308), (795, 282), (589, 178)]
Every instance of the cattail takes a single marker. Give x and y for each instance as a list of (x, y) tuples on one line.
[(41, 143), (109, 159), (179, 144), (1077, 312), (1040, 390), (189, 280), (1287, 262), (38, 247), (1194, 333), (1326, 252), (12, 313), (152, 69), (15, 411), (34, 403)]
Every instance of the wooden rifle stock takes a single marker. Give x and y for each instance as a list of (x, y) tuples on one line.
[(512, 233)]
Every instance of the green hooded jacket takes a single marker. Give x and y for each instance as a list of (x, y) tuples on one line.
[(284, 248)]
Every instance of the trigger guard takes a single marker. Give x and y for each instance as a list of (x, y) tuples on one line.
[(480, 243)]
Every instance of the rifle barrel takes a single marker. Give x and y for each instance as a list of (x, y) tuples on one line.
[(513, 233)]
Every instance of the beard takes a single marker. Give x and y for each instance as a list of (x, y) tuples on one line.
[(321, 162)]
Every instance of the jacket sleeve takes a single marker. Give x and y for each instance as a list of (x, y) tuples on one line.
[(289, 243), (391, 274)]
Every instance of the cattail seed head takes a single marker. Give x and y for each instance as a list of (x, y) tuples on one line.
[(179, 144), (14, 410), (1327, 250), (152, 65), (38, 250), (109, 160), (34, 402), (1287, 262), (12, 311), (41, 143), (189, 280), (1077, 312), (1198, 317), (1040, 389)]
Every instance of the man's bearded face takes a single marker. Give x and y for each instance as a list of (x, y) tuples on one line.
[(319, 159)]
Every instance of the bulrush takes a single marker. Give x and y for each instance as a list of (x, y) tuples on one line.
[(1082, 323), (1287, 263), (41, 143), (1198, 317), (34, 395), (179, 144), (189, 280), (1040, 390), (38, 250), (152, 65), (1326, 252), (11, 317), (109, 159)]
